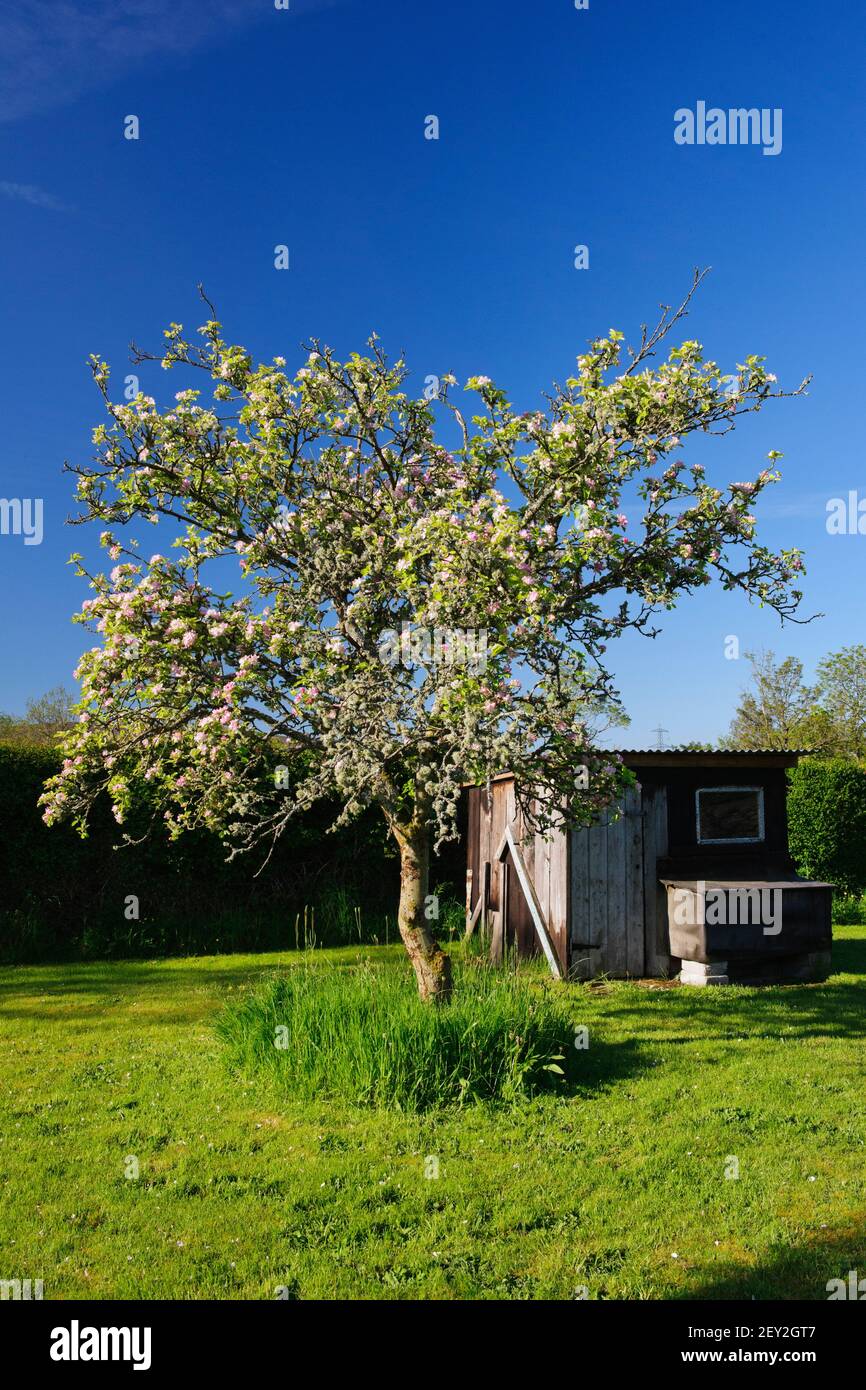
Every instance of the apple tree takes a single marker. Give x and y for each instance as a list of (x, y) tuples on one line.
[(406, 596)]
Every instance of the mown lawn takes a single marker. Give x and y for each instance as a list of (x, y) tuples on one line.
[(620, 1188)]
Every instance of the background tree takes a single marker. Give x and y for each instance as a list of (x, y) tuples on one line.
[(51, 713), (46, 717), (840, 690), (779, 710), (782, 711), (367, 549)]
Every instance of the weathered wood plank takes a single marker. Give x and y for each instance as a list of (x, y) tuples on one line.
[(655, 845), (496, 937), (650, 855), (504, 908), (557, 918), (634, 883), (578, 879), (616, 959), (541, 880), (520, 931), (527, 940), (597, 881), (498, 821)]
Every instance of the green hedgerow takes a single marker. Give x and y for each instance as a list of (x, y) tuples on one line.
[(363, 1035), (827, 822), (66, 898)]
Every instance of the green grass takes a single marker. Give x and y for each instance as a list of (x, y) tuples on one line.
[(619, 1187), (362, 1035)]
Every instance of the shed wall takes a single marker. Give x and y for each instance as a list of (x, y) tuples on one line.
[(597, 887), (546, 859), (617, 912)]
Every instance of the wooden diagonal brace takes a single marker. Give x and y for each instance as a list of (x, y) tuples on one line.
[(507, 843)]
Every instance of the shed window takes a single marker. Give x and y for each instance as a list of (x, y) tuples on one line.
[(730, 815)]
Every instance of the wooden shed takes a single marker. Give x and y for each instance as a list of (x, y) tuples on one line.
[(691, 874)]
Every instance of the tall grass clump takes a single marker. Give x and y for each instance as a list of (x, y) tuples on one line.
[(362, 1034), (849, 909)]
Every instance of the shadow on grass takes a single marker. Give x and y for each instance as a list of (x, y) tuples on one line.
[(835, 1008), (604, 1064), (849, 956), (791, 1271), (831, 1010), (100, 984), (677, 1015), (114, 978)]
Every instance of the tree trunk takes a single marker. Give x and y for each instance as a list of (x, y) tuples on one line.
[(431, 965)]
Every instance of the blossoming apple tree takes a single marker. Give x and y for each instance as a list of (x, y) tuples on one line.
[(312, 517)]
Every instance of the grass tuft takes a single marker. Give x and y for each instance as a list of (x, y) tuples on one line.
[(363, 1035)]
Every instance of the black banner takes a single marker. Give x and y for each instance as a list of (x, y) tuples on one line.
[(218, 1338)]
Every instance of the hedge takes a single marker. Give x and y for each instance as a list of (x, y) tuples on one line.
[(827, 822), (65, 897)]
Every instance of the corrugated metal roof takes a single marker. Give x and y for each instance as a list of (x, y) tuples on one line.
[(716, 752), (695, 754)]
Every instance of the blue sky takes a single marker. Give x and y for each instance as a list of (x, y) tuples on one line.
[(306, 127)]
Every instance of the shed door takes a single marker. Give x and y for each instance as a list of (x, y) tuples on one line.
[(606, 894)]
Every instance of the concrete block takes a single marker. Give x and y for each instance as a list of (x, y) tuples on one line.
[(695, 972)]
